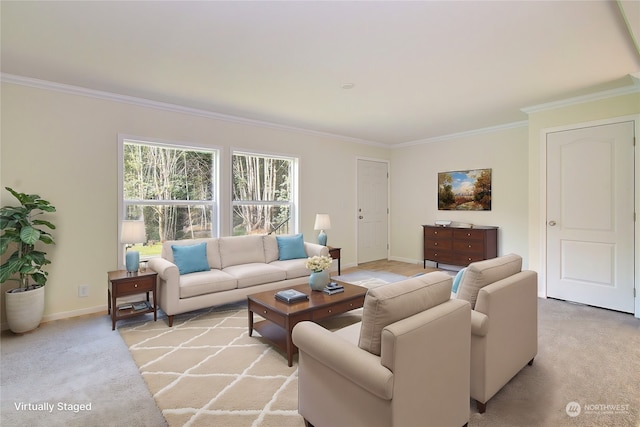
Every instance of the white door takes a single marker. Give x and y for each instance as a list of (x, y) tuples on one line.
[(373, 210), (590, 216)]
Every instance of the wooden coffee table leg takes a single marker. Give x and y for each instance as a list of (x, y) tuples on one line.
[(289, 343), (250, 322)]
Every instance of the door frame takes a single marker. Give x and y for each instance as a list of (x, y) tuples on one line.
[(542, 224), (355, 214)]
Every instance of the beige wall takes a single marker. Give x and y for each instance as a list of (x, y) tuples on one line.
[(64, 147), (576, 115), (414, 182)]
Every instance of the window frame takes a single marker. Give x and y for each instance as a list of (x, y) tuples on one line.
[(122, 204)]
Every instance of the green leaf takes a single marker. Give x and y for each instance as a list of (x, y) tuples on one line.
[(30, 235)]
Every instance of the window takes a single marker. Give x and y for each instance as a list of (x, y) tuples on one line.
[(264, 194), (172, 188)]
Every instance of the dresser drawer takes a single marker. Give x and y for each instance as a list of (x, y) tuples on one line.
[(437, 244), (469, 247), (438, 233), (466, 259), (468, 235)]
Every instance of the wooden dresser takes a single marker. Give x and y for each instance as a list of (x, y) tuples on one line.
[(458, 245)]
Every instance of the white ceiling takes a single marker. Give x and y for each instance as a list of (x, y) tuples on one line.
[(420, 69)]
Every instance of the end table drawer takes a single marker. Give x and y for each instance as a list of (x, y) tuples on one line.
[(142, 284)]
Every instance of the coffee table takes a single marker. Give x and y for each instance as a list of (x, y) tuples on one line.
[(281, 317)]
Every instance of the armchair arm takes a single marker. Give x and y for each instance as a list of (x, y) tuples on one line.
[(313, 249), (479, 323), (348, 360)]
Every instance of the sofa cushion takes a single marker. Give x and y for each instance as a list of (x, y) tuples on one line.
[(236, 250), (213, 252), (293, 267), (206, 282), (270, 248), (291, 247), (482, 273), (390, 303), (190, 258), (252, 274)]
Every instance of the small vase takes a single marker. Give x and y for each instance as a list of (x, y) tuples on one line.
[(319, 279)]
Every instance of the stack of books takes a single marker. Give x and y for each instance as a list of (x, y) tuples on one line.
[(333, 288), (291, 295)]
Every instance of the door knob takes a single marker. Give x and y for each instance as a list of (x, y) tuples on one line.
[(360, 217), (552, 223)]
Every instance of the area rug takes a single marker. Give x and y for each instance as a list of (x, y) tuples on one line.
[(207, 371), (369, 279)]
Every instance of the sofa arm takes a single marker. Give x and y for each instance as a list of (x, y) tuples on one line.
[(313, 249), (168, 285), (165, 269), (348, 360)]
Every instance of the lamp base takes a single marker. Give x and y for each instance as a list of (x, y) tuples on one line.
[(132, 261), (322, 238)]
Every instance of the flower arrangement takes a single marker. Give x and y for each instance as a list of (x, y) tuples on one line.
[(318, 263)]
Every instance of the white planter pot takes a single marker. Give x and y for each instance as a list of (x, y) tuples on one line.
[(24, 309)]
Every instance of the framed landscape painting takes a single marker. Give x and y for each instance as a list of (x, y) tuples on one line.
[(468, 190)]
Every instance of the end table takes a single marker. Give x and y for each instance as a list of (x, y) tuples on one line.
[(123, 283), (335, 254)]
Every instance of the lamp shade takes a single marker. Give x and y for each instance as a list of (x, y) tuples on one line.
[(132, 232), (323, 222)]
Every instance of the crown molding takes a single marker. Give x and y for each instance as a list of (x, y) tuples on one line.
[(481, 131), (164, 106), (596, 96)]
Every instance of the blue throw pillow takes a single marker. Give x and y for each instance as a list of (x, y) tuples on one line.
[(291, 247), (456, 281), (190, 258)]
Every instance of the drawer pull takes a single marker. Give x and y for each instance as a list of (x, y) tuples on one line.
[(264, 311), (329, 311), (469, 245), (135, 286), (468, 234), (435, 244)]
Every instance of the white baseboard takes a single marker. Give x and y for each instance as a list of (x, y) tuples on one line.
[(67, 315), (407, 260)]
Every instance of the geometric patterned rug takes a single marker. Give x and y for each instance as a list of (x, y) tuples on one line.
[(207, 371)]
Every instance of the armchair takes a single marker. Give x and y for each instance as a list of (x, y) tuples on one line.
[(406, 364), (504, 322)]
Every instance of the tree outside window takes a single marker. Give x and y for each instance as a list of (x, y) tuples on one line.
[(263, 194), (172, 189)]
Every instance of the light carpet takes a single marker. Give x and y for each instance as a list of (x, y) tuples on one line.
[(207, 371), (369, 279)]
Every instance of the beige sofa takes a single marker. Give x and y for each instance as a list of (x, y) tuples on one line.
[(405, 364), (234, 267), (504, 322)]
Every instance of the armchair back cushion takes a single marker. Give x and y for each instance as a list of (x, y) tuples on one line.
[(482, 273), (390, 303)]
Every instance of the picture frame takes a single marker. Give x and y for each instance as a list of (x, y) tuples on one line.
[(464, 190)]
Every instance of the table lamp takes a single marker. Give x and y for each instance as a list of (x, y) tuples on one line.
[(323, 222), (132, 232)]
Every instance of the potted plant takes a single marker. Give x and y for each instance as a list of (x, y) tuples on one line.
[(22, 228)]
